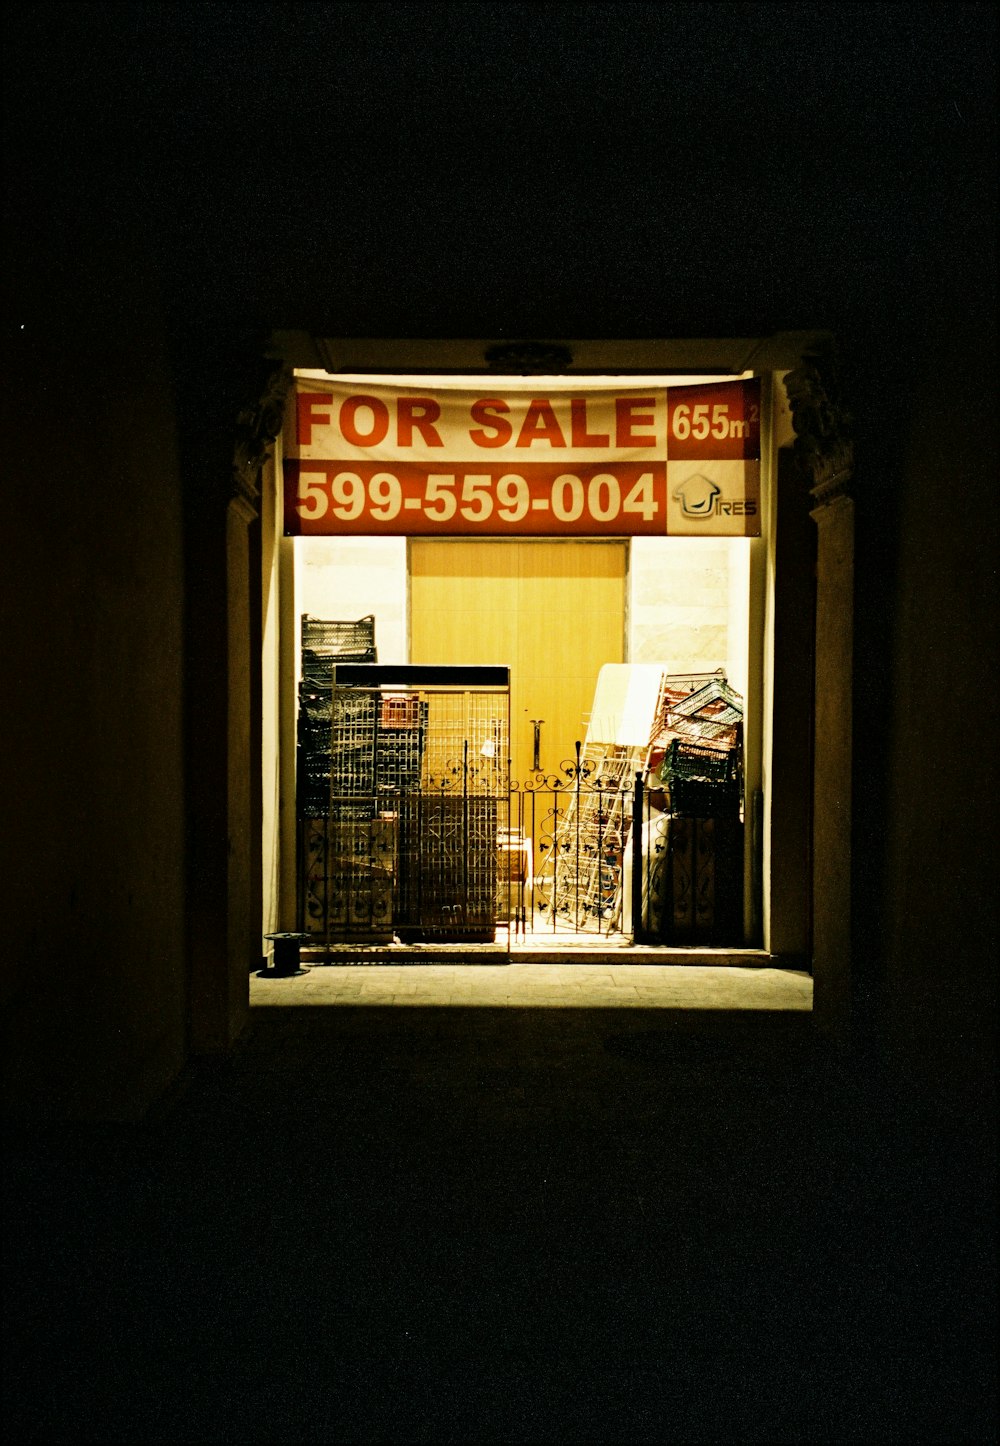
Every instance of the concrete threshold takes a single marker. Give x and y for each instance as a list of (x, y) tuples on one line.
[(538, 952)]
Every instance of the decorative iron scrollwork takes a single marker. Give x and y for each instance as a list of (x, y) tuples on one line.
[(457, 775), (562, 780), (580, 839)]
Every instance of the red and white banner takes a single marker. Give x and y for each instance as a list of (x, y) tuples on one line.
[(496, 462)]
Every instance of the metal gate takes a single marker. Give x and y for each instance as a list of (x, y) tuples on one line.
[(568, 841), (412, 830)]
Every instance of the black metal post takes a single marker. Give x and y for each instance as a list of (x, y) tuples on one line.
[(534, 827), (465, 829), (576, 914), (637, 812), (600, 854)]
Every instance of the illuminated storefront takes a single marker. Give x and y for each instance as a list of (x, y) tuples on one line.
[(603, 538)]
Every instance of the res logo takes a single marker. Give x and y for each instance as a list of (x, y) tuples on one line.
[(700, 497)]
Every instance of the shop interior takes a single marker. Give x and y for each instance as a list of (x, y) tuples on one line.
[(627, 737)]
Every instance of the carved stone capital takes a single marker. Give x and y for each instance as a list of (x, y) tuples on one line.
[(824, 444), (257, 426)]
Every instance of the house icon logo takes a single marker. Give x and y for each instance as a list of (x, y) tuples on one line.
[(697, 496)]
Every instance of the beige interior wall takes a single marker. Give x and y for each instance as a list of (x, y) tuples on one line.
[(349, 577), (687, 605), (678, 602), (738, 642)]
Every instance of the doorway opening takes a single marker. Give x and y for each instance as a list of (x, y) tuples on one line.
[(593, 632)]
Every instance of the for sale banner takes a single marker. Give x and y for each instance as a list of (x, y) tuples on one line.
[(487, 461)]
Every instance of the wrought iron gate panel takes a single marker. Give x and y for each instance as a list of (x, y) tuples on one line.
[(447, 877), (576, 823)]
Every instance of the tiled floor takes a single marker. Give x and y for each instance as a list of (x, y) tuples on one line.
[(546, 986)]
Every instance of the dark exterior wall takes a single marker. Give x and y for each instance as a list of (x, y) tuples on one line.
[(835, 962), (93, 966), (638, 174), (215, 377), (923, 396), (941, 957)]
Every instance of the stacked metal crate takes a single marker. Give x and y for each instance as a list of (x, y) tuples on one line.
[(404, 840), (333, 800), (324, 644), (418, 787), (693, 886)]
